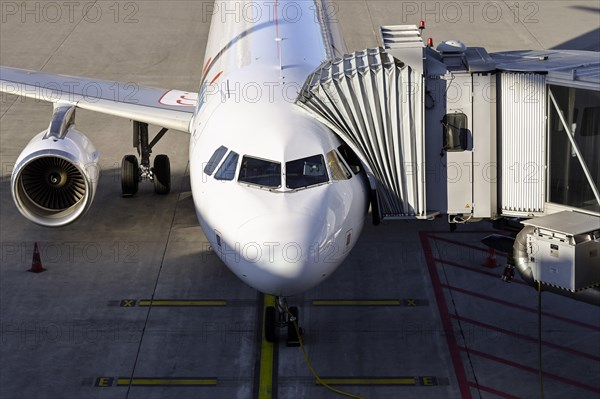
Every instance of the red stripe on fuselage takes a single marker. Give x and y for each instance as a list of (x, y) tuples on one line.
[(206, 66), (216, 77)]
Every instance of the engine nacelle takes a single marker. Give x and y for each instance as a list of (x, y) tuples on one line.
[(55, 178)]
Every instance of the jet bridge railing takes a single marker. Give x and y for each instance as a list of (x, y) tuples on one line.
[(373, 102)]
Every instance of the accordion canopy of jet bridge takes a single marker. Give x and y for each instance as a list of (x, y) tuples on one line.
[(368, 99)]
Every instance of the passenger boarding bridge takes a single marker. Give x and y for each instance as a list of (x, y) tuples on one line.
[(458, 131)]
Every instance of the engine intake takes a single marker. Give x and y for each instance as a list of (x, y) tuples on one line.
[(55, 178), (53, 183)]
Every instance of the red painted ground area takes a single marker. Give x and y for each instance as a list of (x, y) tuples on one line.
[(465, 358)]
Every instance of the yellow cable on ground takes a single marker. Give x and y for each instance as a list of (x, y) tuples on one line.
[(309, 364)]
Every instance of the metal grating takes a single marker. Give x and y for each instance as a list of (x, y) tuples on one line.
[(522, 140)]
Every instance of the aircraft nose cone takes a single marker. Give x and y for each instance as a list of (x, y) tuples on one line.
[(280, 244), (282, 252)]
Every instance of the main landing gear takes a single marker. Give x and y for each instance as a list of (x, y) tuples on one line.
[(133, 172), (281, 316)]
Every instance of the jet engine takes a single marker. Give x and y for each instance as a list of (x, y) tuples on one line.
[(55, 177)]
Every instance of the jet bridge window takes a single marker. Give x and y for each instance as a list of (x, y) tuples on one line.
[(306, 172), (227, 169), (260, 172), (455, 132), (574, 144), (214, 160), (337, 168), (590, 122)]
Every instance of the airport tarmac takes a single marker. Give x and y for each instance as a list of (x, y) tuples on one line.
[(134, 304)]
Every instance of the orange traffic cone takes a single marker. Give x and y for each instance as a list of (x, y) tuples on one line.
[(36, 263), (491, 261)]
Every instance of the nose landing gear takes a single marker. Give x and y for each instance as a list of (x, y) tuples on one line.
[(281, 316)]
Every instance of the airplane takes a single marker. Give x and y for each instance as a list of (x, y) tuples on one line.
[(281, 199)]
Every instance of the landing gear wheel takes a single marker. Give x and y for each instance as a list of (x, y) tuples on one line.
[(270, 324), (130, 176), (162, 174), (292, 336)]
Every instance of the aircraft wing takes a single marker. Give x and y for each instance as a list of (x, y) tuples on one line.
[(172, 109)]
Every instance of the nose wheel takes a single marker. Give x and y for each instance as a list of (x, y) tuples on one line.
[(293, 329), (134, 171), (280, 317), (271, 326)]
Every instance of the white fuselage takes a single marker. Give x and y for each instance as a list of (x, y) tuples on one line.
[(286, 211)]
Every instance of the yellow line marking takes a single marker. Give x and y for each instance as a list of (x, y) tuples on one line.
[(374, 302), (167, 381), (369, 381), (265, 389), (164, 302)]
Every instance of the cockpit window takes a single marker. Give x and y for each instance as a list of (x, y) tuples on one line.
[(351, 158), (227, 169), (260, 172), (214, 160), (305, 172), (337, 167)]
